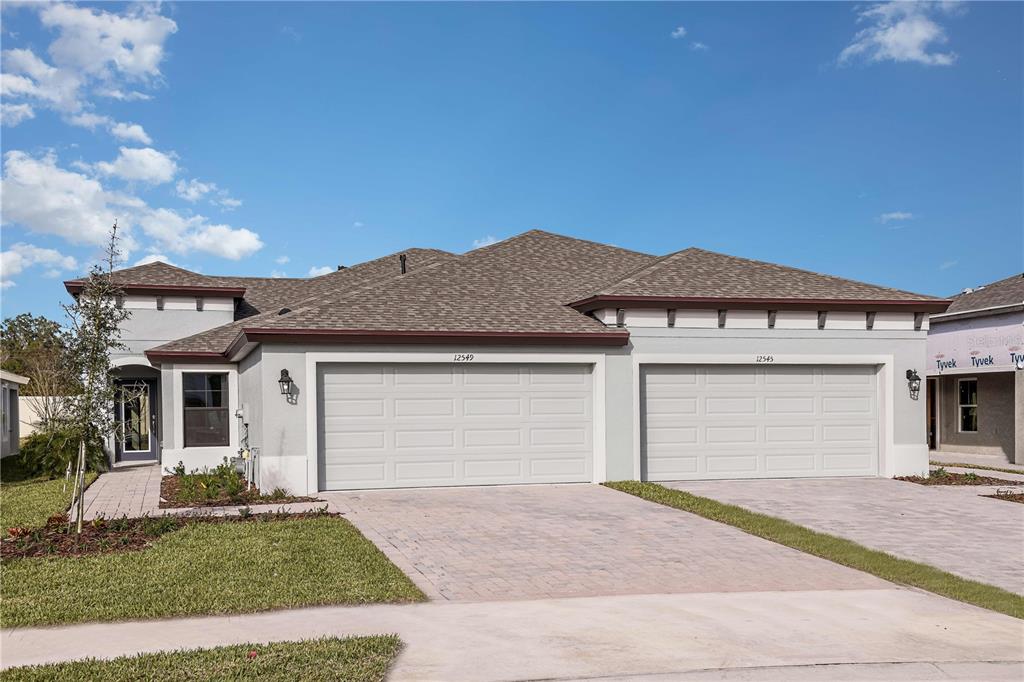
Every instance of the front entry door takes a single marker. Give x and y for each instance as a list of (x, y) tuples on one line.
[(933, 413), (137, 438)]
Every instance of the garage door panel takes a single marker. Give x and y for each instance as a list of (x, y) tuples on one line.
[(783, 421), (454, 425)]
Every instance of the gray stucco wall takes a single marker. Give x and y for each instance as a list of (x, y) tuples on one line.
[(250, 380), (282, 438), (996, 434), (906, 347), (147, 328)]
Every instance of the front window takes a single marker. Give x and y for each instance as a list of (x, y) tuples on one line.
[(206, 409), (968, 401)]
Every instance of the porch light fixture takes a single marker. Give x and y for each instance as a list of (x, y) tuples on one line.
[(914, 383), (285, 382)]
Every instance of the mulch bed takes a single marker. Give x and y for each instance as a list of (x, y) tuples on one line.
[(1009, 497), (170, 497), (947, 478), (105, 536)]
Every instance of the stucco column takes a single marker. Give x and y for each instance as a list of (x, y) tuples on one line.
[(1018, 416)]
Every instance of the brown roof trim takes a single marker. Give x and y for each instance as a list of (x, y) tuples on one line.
[(867, 305), (158, 356), (250, 334), (75, 286)]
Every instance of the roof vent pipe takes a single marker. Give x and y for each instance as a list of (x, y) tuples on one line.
[(340, 268), (401, 262)]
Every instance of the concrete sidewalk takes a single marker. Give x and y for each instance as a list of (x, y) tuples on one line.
[(627, 636)]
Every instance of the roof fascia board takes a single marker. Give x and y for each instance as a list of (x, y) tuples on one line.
[(76, 286), (616, 338), (978, 312), (866, 305)]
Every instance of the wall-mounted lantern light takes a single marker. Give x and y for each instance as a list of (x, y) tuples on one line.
[(285, 382), (914, 383)]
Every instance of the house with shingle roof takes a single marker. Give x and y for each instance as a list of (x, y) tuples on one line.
[(976, 373), (538, 359)]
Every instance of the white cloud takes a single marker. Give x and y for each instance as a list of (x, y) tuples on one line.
[(193, 190), (21, 256), (485, 241), (679, 32), (282, 260), (291, 32), (88, 119), (317, 271), (95, 52), (898, 216), (105, 45), (46, 199), (225, 241), (949, 264), (132, 132), (278, 274), (121, 95), (153, 258), (143, 164), (358, 225), (13, 114), (902, 32), (698, 46)]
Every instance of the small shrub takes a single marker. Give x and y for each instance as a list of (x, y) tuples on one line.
[(939, 473), (278, 494), (158, 525), (244, 512), (48, 453), (971, 477)]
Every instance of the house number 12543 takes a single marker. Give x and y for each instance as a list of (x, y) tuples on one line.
[(463, 357)]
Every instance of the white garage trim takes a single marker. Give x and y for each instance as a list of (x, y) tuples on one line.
[(886, 445), (479, 356)]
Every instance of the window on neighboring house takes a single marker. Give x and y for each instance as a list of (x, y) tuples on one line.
[(967, 390), (205, 403)]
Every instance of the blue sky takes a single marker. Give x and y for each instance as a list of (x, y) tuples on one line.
[(878, 142)]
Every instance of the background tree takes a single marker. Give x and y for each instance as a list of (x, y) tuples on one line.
[(37, 348)]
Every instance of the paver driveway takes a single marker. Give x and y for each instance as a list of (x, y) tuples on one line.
[(528, 542), (949, 527)]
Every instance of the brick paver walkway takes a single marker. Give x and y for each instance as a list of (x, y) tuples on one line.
[(949, 527), (526, 542), (127, 491)]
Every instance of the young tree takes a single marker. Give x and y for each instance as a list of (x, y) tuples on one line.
[(96, 319)]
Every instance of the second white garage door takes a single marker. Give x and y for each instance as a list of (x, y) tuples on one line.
[(726, 421), (412, 425)]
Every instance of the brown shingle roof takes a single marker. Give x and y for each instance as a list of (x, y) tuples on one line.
[(270, 297), (696, 273), (1009, 291), (521, 288), (157, 276)]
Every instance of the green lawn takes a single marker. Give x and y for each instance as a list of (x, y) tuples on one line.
[(356, 659), (207, 568), (28, 501), (839, 550)]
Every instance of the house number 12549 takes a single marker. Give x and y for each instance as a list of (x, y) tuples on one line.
[(463, 357)]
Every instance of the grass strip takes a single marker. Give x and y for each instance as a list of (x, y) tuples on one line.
[(354, 659), (27, 504), (962, 465), (207, 568), (836, 549)]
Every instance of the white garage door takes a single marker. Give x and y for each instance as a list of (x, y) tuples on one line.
[(725, 421), (406, 425)]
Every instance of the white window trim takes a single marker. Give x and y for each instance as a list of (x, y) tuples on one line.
[(886, 394), (178, 416), (960, 406), (480, 356)]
